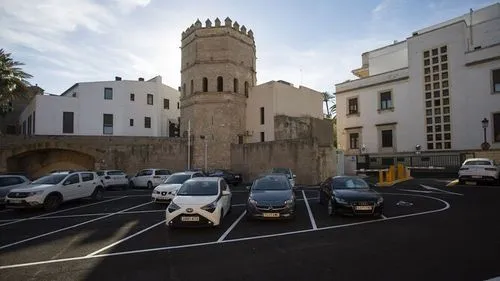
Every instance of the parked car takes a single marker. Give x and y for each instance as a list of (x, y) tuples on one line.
[(350, 195), (228, 176), (288, 172), (9, 182), (149, 178), (197, 170), (271, 197), (113, 178), (50, 191), (166, 191), (201, 201), (479, 170)]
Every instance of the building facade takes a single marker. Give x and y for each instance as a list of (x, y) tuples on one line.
[(429, 92), (119, 108), (277, 98)]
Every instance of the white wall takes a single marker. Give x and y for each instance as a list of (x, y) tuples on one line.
[(388, 58), (89, 106), (260, 96)]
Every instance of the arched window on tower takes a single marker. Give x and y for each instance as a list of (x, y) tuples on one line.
[(246, 89), (220, 84), (184, 89), (236, 85), (192, 87), (205, 84)]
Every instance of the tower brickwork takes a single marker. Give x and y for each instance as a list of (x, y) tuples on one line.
[(217, 72)]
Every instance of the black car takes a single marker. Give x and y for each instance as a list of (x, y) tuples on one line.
[(228, 176), (350, 195), (271, 197)]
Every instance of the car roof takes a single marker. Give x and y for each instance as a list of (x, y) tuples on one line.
[(478, 159), (205, 179), (184, 173)]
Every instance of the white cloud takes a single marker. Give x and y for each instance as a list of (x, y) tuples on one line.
[(126, 6)]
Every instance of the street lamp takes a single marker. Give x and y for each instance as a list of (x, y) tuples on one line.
[(206, 148), (485, 145)]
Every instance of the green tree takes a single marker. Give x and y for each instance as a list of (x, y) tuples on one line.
[(13, 80)]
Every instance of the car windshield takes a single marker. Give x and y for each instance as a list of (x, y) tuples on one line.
[(50, 179), (271, 183), (199, 188), (349, 183), (177, 179), (478, 162)]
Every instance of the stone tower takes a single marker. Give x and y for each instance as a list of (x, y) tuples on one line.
[(217, 71)]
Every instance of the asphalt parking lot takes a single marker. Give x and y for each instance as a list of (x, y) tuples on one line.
[(429, 231)]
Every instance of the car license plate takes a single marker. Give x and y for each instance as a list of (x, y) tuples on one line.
[(190, 219), (237, 177), (14, 201), (271, 215), (363, 208)]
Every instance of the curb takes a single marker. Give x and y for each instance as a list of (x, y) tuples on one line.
[(389, 184)]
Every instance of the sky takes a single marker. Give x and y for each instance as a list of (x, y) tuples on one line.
[(313, 43)]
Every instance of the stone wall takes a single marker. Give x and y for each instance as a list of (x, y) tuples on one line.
[(493, 154), (36, 155), (310, 162), (286, 127)]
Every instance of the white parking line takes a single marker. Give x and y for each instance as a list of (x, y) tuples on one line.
[(311, 217), (125, 239), (383, 217), (440, 190), (69, 227), (447, 206), (225, 234), (64, 210)]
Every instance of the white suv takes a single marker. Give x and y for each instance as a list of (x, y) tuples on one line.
[(50, 191), (149, 178), (8, 182), (113, 178), (479, 169)]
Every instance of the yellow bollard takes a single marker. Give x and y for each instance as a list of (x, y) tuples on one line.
[(401, 171), (380, 176)]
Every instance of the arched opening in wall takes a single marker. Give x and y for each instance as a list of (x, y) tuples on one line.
[(184, 89), (220, 84), (236, 85), (192, 87), (205, 84), (246, 89), (37, 163)]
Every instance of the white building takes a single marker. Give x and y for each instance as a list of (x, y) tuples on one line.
[(119, 108), (432, 90), (274, 98)]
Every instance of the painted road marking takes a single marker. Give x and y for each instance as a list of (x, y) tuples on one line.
[(383, 217), (418, 191), (69, 227), (226, 233), (125, 239), (311, 217), (446, 206), (60, 211), (440, 190)]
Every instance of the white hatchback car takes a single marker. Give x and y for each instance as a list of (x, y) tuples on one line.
[(479, 169), (50, 191), (113, 178), (166, 191), (149, 178), (9, 182), (201, 201)]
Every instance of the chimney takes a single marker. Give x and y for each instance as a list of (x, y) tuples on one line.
[(141, 79), (117, 78)]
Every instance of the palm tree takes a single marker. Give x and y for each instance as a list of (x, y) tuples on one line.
[(333, 108), (326, 98), (13, 80)]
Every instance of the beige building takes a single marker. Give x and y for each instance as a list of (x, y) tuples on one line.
[(220, 102), (275, 98)]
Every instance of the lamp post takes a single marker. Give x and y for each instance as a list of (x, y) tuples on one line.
[(206, 149), (485, 145)]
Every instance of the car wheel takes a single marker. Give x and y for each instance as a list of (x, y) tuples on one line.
[(52, 202), (331, 208), (150, 185), (98, 194)]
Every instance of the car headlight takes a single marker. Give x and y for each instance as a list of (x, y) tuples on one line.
[(173, 207), (210, 207), (341, 200), (380, 201), (289, 202), (33, 193)]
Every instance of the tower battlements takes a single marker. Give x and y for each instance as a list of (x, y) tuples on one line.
[(228, 24)]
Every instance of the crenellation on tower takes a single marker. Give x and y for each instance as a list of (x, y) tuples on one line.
[(217, 24)]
